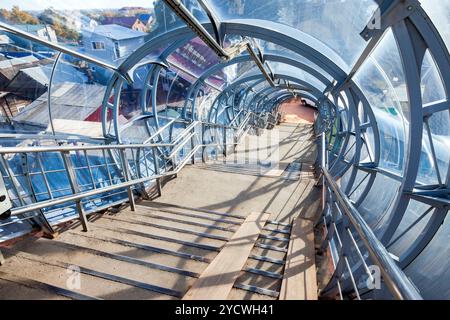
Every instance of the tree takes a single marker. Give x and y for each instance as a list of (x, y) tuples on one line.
[(58, 23), (18, 16)]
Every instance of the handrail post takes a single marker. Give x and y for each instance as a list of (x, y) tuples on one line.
[(193, 142), (224, 141), (203, 143), (75, 188), (156, 166), (324, 166), (126, 171)]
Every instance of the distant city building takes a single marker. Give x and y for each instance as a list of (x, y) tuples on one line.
[(33, 82), (132, 11), (127, 22), (43, 31), (112, 42), (72, 103), (147, 19), (5, 43), (10, 67)]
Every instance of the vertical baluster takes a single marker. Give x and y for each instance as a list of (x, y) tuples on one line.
[(203, 142), (126, 172), (156, 164), (75, 188), (90, 169), (44, 176), (193, 143), (224, 142), (107, 167), (146, 162)]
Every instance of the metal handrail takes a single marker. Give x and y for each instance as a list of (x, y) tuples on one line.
[(11, 150), (82, 195), (394, 277)]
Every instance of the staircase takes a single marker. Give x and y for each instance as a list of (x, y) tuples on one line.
[(161, 251)]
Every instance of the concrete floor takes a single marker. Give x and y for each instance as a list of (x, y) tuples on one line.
[(242, 193)]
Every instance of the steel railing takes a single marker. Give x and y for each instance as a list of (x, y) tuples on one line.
[(354, 249), (123, 168)]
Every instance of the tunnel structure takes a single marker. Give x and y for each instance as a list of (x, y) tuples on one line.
[(99, 116)]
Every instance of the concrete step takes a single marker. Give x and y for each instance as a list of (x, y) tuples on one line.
[(172, 223), (47, 271), (176, 245), (232, 216), (175, 279), (259, 281), (221, 224), (167, 259), (21, 289), (154, 232)]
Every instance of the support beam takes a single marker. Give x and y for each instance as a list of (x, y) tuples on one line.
[(184, 14), (260, 65), (389, 13)]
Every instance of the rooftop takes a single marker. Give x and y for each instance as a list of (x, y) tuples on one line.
[(116, 32)]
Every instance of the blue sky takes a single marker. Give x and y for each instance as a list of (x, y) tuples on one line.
[(73, 4)]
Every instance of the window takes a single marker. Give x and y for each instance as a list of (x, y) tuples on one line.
[(98, 45), (117, 49)]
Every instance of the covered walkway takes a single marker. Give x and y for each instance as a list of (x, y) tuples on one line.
[(160, 250), (158, 150)]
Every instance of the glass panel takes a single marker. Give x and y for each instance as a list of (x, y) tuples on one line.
[(231, 73), (440, 133), (430, 271), (272, 48), (195, 56), (432, 86), (336, 23), (438, 10), (378, 200), (285, 69), (204, 102), (24, 79), (382, 80), (105, 30), (414, 221)]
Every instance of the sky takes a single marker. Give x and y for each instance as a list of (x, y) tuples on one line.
[(74, 4)]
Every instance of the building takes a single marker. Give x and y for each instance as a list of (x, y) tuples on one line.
[(10, 67), (70, 108), (5, 43), (112, 42), (127, 22), (132, 11), (147, 19), (43, 31), (32, 82)]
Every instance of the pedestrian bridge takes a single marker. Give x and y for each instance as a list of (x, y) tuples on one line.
[(225, 150)]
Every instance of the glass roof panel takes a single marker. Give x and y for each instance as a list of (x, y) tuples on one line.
[(439, 12), (195, 56), (105, 30), (230, 73), (337, 23)]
